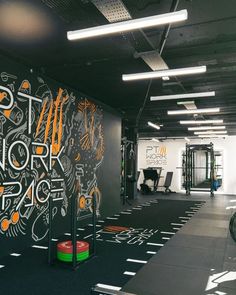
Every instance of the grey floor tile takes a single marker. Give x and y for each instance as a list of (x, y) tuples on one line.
[(206, 231), (197, 241), (168, 280), (190, 257)]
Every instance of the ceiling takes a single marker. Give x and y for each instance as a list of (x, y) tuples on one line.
[(37, 38)]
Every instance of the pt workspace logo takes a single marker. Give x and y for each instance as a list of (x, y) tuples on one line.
[(156, 155), (127, 235), (51, 145)]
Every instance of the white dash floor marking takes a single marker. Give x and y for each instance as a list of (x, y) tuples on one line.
[(125, 213), (137, 208), (112, 218), (67, 234), (129, 273), (167, 233), (189, 212), (136, 260), (184, 221), (182, 217), (101, 221), (2, 266), (151, 252), (54, 240), (165, 238), (109, 287), (154, 244), (117, 215), (40, 247), (176, 228), (15, 254), (178, 224), (82, 229), (88, 236)]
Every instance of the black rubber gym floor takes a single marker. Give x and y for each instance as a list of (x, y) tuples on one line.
[(125, 242)]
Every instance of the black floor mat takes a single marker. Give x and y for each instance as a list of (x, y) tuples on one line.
[(142, 233)]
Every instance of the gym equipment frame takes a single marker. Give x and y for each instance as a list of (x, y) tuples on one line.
[(74, 226), (189, 166)]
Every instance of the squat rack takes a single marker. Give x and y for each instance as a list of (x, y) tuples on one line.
[(74, 226), (190, 166)]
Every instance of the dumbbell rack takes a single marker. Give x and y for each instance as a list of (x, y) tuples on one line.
[(74, 226)]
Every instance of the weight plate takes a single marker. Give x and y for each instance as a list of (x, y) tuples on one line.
[(66, 247), (69, 259)]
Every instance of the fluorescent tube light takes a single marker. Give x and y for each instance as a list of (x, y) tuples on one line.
[(193, 122), (129, 25), (155, 139), (187, 139), (153, 125), (212, 135), (206, 128), (164, 73), (210, 132), (197, 111), (186, 95)]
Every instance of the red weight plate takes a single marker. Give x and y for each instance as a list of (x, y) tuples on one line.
[(66, 247)]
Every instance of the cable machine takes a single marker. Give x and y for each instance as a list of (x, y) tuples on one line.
[(190, 168), (128, 169)]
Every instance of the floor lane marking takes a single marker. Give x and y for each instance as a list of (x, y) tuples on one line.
[(136, 260)]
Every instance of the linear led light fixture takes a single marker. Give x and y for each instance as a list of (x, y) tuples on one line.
[(197, 111), (186, 95), (206, 128), (187, 139), (153, 125), (164, 73), (155, 139), (193, 122), (210, 132), (211, 135), (129, 25)]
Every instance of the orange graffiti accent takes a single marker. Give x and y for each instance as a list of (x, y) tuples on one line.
[(25, 85), (85, 142), (48, 122), (82, 202), (2, 95), (5, 224), (1, 190), (16, 163), (163, 151), (101, 148), (15, 217), (7, 113), (114, 228), (78, 158), (56, 146)]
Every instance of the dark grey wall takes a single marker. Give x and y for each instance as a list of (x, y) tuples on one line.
[(90, 135)]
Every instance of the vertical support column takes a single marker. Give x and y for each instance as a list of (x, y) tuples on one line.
[(94, 222), (212, 169), (50, 205), (74, 229)]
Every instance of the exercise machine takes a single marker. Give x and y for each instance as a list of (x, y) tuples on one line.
[(189, 168)]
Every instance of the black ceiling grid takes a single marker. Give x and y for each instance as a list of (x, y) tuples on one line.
[(95, 66)]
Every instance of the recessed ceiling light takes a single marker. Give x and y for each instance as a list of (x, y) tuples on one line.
[(129, 25), (206, 128), (193, 122), (180, 96), (210, 132), (197, 111), (154, 125), (164, 73)]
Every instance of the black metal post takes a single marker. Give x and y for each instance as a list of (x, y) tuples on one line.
[(94, 222), (74, 229), (50, 222)]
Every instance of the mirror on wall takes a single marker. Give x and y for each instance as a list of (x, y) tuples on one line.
[(201, 169)]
